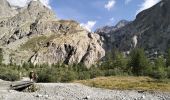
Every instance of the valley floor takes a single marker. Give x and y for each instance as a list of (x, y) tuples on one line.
[(76, 91), (128, 83)]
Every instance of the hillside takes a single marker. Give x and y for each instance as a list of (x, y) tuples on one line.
[(150, 30), (34, 34)]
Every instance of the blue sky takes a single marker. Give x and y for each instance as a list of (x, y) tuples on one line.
[(93, 14), (96, 10)]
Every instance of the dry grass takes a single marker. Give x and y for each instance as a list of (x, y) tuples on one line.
[(128, 83), (34, 43)]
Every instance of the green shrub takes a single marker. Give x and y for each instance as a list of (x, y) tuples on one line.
[(159, 70), (83, 75), (138, 62), (8, 74), (110, 72), (168, 72), (95, 72), (56, 74), (116, 72), (168, 59), (114, 59), (159, 74), (43, 76), (69, 76)]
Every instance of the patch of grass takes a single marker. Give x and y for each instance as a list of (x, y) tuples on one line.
[(33, 43), (36, 42), (128, 83)]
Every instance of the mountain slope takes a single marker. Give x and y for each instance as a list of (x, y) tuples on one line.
[(150, 30), (107, 31), (35, 35)]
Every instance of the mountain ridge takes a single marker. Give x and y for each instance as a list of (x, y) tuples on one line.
[(150, 30)]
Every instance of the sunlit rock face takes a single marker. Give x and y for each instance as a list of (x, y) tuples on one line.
[(5, 10), (34, 34)]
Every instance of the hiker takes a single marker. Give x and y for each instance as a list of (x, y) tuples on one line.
[(33, 76)]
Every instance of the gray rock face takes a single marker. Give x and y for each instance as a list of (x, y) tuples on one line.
[(70, 48), (34, 34), (108, 33), (5, 9), (150, 30)]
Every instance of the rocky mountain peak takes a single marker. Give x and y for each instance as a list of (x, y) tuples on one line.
[(5, 9), (35, 35), (121, 24), (3, 3), (36, 4), (37, 9), (108, 29)]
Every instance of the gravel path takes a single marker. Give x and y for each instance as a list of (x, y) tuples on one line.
[(70, 91)]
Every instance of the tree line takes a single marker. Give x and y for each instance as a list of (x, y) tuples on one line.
[(115, 63)]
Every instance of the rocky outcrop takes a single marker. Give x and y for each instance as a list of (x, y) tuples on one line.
[(150, 30), (5, 10), (35, 35), (71, 45)]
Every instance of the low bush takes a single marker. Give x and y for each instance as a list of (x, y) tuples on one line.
[(84, 75), (168, 72), (9, 74), (159, 74)]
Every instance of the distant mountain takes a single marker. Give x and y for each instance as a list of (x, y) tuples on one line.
[(122, 23), (34, 34), (150, 30), (107, 31)]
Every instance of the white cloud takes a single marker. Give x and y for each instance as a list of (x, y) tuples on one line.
[(147, 4), (19, 3), (110, 4), (89, 25), (23, 3), (112, 19), (127, 1)]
